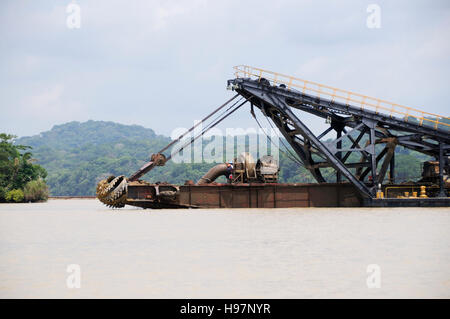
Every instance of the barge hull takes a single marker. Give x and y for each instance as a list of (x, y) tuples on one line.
[(408, 202), (267, 195)]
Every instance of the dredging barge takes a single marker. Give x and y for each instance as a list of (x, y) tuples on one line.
[(372, 127)]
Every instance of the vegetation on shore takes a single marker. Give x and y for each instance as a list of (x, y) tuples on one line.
[(20, 178)]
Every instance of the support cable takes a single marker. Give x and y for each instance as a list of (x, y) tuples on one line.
[(202, 121), (206, 130), (149, 165), (291, 156)]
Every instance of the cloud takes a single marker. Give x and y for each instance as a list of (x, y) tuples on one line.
[(163, 64), (44, 103), (55, 103)]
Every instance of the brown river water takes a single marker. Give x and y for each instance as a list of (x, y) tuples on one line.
[(222, 253)]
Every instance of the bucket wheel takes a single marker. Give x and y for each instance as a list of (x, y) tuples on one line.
[(113, 191)]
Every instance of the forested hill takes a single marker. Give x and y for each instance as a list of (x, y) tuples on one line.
[(75, 135), (77, 155)]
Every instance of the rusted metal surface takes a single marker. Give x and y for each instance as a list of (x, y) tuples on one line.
[(409, 202), (243, 195), (155, 160), (269, 195), (147, 195), (213, 174), (265, 195)]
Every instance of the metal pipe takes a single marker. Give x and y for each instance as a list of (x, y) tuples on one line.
[(213, 174)]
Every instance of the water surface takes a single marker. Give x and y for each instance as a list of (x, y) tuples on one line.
[(222, 253)]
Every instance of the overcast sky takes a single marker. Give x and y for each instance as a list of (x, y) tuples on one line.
[(163, 64)]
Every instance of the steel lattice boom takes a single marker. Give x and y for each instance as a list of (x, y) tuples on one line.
[(376, 121)]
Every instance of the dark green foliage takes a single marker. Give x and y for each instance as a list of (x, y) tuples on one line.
[(78, 155), (3, 192), (17, 168)]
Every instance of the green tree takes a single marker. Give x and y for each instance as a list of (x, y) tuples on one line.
[(17, 168), (15, 195)]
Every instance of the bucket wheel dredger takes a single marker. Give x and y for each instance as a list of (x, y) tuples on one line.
[(380, 123), (370, 127), (113, 190)]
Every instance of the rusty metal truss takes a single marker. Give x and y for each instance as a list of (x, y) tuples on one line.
[(379, 124)]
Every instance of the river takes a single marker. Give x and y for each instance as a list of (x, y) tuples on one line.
[(222, 253)]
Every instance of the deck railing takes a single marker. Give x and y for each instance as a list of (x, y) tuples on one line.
[(408, 114)]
